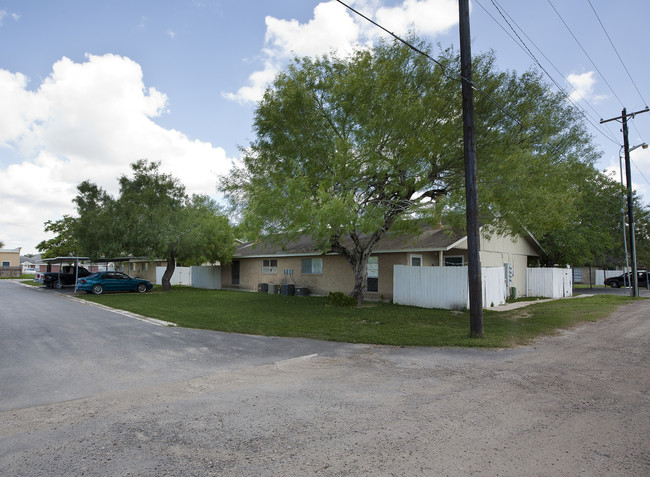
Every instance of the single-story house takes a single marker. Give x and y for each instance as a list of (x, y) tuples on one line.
[(10, 257), (32, 264), (299, 263)]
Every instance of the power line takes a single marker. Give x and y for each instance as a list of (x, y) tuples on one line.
[(426, 55), (617, 54), (555, 148), (522, 44), (584, 51)]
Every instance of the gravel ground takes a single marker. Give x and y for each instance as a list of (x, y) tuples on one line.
[(572, 404)]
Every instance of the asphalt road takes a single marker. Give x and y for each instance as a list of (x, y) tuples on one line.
[(54, 349), (85, 391)]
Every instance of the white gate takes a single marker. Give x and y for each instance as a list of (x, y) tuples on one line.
[(549, 282)]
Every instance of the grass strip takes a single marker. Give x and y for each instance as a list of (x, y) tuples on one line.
[(374, 323)]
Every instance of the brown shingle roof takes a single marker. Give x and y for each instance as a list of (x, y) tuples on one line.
[(430, 239)]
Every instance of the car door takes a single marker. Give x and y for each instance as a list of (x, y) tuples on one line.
[(123, 282), (109, 281)]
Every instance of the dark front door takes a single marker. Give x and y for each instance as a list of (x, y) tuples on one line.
[(235, 272)]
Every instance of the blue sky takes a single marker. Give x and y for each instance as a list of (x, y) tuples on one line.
[(87, 87)]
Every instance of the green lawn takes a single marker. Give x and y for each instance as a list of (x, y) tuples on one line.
[(379, 323)]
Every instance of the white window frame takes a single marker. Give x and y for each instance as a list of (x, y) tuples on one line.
[(269, 265), (372, 269), (420, 257), (462, 260), (315, 266)]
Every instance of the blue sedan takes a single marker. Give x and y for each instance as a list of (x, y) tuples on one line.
[(100, 282)]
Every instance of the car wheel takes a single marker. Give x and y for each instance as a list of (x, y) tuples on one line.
[(98, 289), (614, 285), (142, 287), (57, 284)]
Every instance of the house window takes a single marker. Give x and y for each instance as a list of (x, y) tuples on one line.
[(454, 261), (6, 264), (145, 267), (416, 260), (269, 266), (312, 266), (373, 274), (132, 266)]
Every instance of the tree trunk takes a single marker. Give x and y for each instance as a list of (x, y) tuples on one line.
[(169, 271), (360, 268)]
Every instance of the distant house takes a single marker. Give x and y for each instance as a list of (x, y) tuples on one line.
[(33, 264), (299, 263), (10, 257)]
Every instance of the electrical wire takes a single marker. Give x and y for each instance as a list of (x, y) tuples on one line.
[(584, 51), (522, 44), (617, 53), (426, 55), (554, 150)]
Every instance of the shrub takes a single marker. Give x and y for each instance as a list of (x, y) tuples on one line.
[(340, 299)]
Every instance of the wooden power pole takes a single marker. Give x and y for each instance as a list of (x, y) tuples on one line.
[(630, 193), (471, 190)]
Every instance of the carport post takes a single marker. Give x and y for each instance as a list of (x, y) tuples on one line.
[(76, 274)]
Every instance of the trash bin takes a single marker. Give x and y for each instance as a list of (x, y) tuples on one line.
[(273, 289), (263, 287)]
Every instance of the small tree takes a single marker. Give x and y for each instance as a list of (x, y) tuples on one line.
[(153, 217)]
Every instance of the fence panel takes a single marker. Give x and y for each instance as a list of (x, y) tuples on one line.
[(601, 275), (431, 287), (181, 276), (495, 290), (11, 272), (208, 277), (445, 287), (549, 282)]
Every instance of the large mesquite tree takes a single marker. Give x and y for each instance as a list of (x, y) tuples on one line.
[(350, 148)]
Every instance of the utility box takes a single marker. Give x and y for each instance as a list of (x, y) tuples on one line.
[(263, 287), (302, 291), (287, 289)]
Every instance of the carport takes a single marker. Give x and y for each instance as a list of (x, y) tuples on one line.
[(76, 261), (69, 261)]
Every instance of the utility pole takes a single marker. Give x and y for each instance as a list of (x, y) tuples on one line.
[(471, 191), (630, 203)]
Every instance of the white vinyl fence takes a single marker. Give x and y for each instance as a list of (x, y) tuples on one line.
[(206, 277), (445, 287), (601, 275), (181, 276), (549, 282)]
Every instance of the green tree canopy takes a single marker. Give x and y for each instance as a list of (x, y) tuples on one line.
[(350, 148), (153, 217), (64, 243)]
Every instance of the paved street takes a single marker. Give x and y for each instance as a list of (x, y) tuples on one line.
[(53, 349), (85, 391)]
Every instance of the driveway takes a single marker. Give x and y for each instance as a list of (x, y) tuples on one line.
[(186, 402)]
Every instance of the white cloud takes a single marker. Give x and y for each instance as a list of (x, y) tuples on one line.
[(583, 87), (171, 34), (87, 120), (426, 17), (334, 28), (4, 14)]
